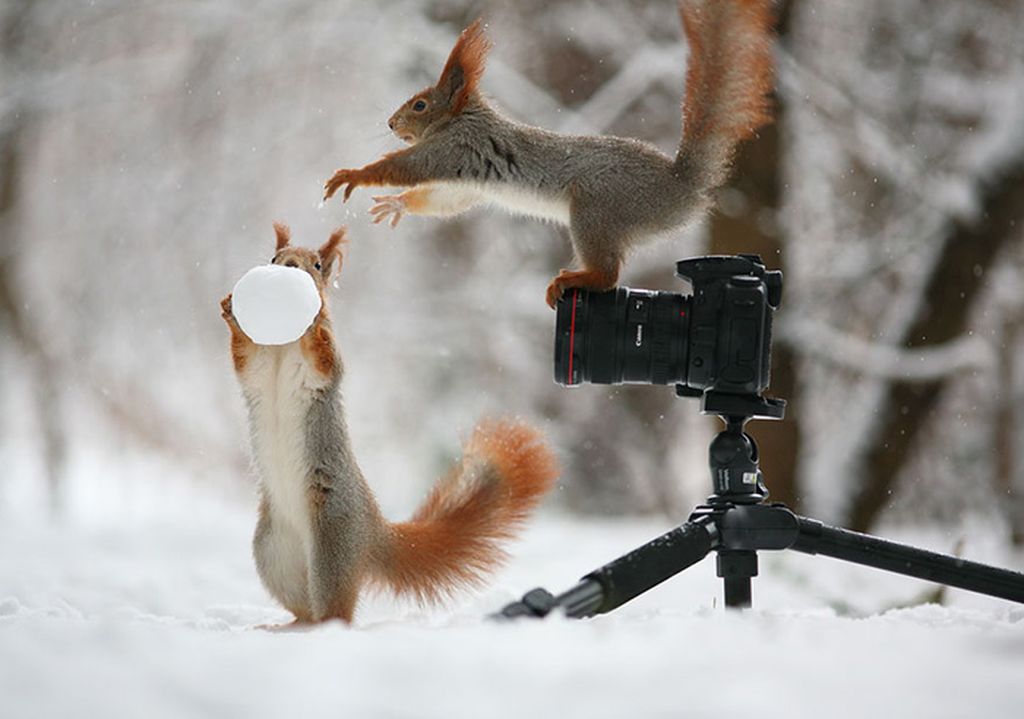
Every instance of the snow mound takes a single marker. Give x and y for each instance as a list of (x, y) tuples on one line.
[(274, 304)]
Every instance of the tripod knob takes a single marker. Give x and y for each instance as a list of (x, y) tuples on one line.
[(535, 603), (732, 458)]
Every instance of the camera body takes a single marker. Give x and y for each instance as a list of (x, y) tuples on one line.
[(717, 339), (731, 310)]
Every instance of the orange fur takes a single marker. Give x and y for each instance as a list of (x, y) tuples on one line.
[(468, 58), (597, 280), (241, 349), (454, 538), (387, 171), (730, 69), (241, 346), (317, 347), (283, 234), (331, 250)]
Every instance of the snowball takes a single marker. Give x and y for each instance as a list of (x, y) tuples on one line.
[(274, 304)]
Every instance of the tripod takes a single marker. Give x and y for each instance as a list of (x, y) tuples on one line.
[(736, 522)]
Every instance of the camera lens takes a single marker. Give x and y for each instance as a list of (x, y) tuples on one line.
[(622, 335)]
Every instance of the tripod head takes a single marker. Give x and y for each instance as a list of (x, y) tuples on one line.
[(733, 454), (743, 406)]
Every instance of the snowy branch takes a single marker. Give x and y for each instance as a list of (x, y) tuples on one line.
[(871, 359), (868, 137), (605, 106)]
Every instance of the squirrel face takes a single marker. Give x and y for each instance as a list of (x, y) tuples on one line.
[(420, 113), (318, 264), (430, 109)]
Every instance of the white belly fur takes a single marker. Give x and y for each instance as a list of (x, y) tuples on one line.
[(514, 200), (523, 202), (280, 387)]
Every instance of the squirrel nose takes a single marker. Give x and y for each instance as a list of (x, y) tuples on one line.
[(391, 123)]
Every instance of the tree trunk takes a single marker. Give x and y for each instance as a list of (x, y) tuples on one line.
[(1009, 427), (908, 407), (14, 33)]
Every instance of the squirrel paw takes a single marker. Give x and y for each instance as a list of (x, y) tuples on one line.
[(225, 309), (341, 177), (388, 206), (583, 279), (555, 291)]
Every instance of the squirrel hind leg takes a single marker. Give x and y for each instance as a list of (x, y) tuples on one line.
[(586, 279), (342, 606), (601, 235)]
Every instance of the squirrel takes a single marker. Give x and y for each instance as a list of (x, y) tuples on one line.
[(320, 538), (614, 193)]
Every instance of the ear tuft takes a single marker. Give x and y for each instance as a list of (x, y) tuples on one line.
[(331, 250), (284, 235), (465, 66)]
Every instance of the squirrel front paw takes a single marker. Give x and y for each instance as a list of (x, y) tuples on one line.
[(555, 291), (389, 206), (341, 177), (596, 280), (226, 311)]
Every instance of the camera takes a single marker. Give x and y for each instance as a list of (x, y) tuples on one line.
[(718, 338)]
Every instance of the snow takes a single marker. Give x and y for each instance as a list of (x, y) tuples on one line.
[(275, 304), (130, 609)]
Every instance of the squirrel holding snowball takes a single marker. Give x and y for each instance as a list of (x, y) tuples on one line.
[(320, 538), (613, 193)]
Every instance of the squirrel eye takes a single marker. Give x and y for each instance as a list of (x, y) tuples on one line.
[(419, 105), (316, 265)]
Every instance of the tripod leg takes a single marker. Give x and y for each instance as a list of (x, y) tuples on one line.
[(736, 567), (624, 578), (648, 566), (815, 537), (737, 593)]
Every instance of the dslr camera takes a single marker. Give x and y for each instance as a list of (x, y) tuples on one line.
[(716, 340)]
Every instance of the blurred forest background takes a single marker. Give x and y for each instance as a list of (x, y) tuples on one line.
[(145, 148)]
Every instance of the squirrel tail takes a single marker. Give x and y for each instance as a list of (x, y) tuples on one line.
[(455, 537), (729, 77)]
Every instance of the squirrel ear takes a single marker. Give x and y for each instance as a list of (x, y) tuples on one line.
[(284, 235), (465, 66), (331, 250)]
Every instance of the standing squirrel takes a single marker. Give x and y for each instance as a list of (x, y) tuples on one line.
[(321, 538), (613, 193)]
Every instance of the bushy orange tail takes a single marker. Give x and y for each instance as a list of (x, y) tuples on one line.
[(455, 537), (729, 77)]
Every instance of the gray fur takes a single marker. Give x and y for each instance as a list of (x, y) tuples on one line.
[(349, 516), (620, 190)]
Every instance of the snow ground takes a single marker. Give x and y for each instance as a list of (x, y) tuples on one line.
[(152, 612)]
